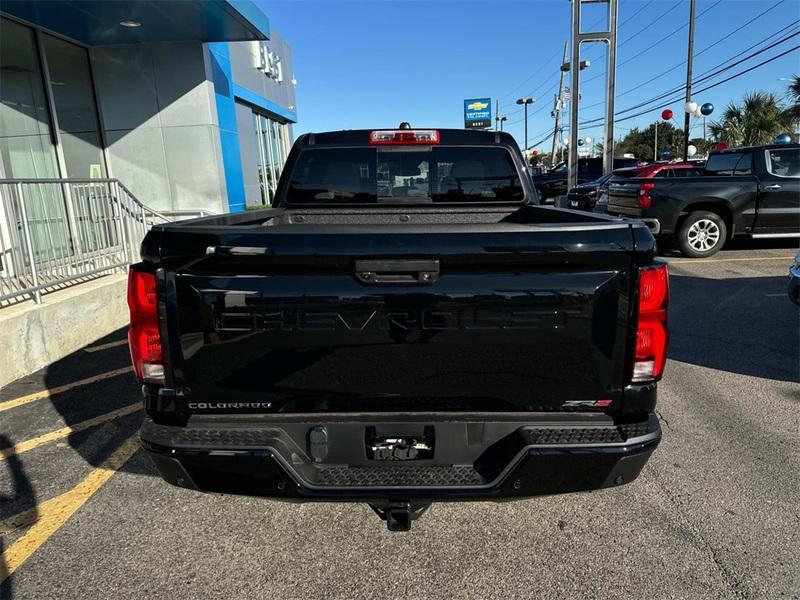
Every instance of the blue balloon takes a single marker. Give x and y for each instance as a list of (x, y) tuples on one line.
[(783, 138), (580, 142), (706, 109), (666, 153)]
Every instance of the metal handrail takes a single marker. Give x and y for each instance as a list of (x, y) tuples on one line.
[(57, 232)]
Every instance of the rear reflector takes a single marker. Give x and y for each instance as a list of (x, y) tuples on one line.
[(650, 353), (402, 137), (144, 337)]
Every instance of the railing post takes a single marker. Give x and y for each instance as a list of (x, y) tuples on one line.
[(144, 220), (75, 234), (37, 293), (123, 229)]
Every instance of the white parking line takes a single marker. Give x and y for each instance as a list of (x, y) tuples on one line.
[(9, 404), (105, 346), (67, 431)]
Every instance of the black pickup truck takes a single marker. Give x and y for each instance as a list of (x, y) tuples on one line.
[(753, 191), (405, 325)]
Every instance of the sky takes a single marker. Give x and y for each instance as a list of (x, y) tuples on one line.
[(374, 64)]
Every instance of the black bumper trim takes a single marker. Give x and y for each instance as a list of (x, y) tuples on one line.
[(513, 460)]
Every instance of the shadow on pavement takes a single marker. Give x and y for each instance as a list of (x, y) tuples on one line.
[(740, 243), (744, 325), (21, 491), (98, 398), (81, 403)]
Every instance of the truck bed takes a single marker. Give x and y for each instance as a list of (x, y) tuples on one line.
[(527, 216)]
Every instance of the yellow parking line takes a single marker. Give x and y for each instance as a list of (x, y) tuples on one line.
[(65, 431), (8, 404), (105, 346), (692, 261), (54, 513)]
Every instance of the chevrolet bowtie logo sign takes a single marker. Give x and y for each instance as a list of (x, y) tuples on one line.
[(478, 113)]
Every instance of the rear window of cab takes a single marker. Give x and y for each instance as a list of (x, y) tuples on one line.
[(404, 175), (730, 163)]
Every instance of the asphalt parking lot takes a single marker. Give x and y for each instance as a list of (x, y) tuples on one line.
[(715, 514)]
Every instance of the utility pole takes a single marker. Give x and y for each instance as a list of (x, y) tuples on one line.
[(687, 117), (655, 145), (610, 38), (557, 105)]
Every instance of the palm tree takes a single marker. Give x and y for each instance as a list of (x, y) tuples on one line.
[(756, 120), (793, 96)]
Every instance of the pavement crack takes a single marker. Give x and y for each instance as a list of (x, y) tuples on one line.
[(664, 420), (736, 586)]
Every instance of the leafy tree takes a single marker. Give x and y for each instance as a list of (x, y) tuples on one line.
[(703, 146), (756, 120), (641, 143)]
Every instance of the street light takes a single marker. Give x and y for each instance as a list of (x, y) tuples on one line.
[(500, 120), (526, 102)]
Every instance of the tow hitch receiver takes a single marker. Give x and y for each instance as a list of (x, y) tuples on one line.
[(398, 515)]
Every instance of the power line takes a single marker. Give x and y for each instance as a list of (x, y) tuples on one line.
[(649, 25), (643, 29), (547, 62), (725, 37), (657, 42), (705, 76), (598, 122), (713, 85)]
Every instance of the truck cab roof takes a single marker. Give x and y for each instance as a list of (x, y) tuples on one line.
[(351, 137), (756, 147)]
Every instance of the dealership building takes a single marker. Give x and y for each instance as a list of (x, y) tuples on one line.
[(188, 104)]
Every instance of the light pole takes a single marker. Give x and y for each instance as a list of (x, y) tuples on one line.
[(688, 81), (525, 102), (502, 120)]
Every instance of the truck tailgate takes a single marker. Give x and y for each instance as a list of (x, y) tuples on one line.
[(623, 197), (293, 319)]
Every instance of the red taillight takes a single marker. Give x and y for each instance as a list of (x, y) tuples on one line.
[(403, 136), (144, 337), (644, 195), (650, 353)]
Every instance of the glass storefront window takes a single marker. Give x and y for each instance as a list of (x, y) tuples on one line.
[(272, 138), (26, 148), (71, 84)]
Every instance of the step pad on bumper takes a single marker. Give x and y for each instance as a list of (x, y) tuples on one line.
[(398, 476), (249, 437)]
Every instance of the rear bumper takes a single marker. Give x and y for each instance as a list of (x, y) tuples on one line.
[(654, 225), (472, 459)]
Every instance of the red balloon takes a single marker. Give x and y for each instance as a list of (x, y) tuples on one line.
[(666, 114), (721, 146), (536, 153)]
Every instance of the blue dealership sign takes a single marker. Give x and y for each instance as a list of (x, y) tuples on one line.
[(478, 113)]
